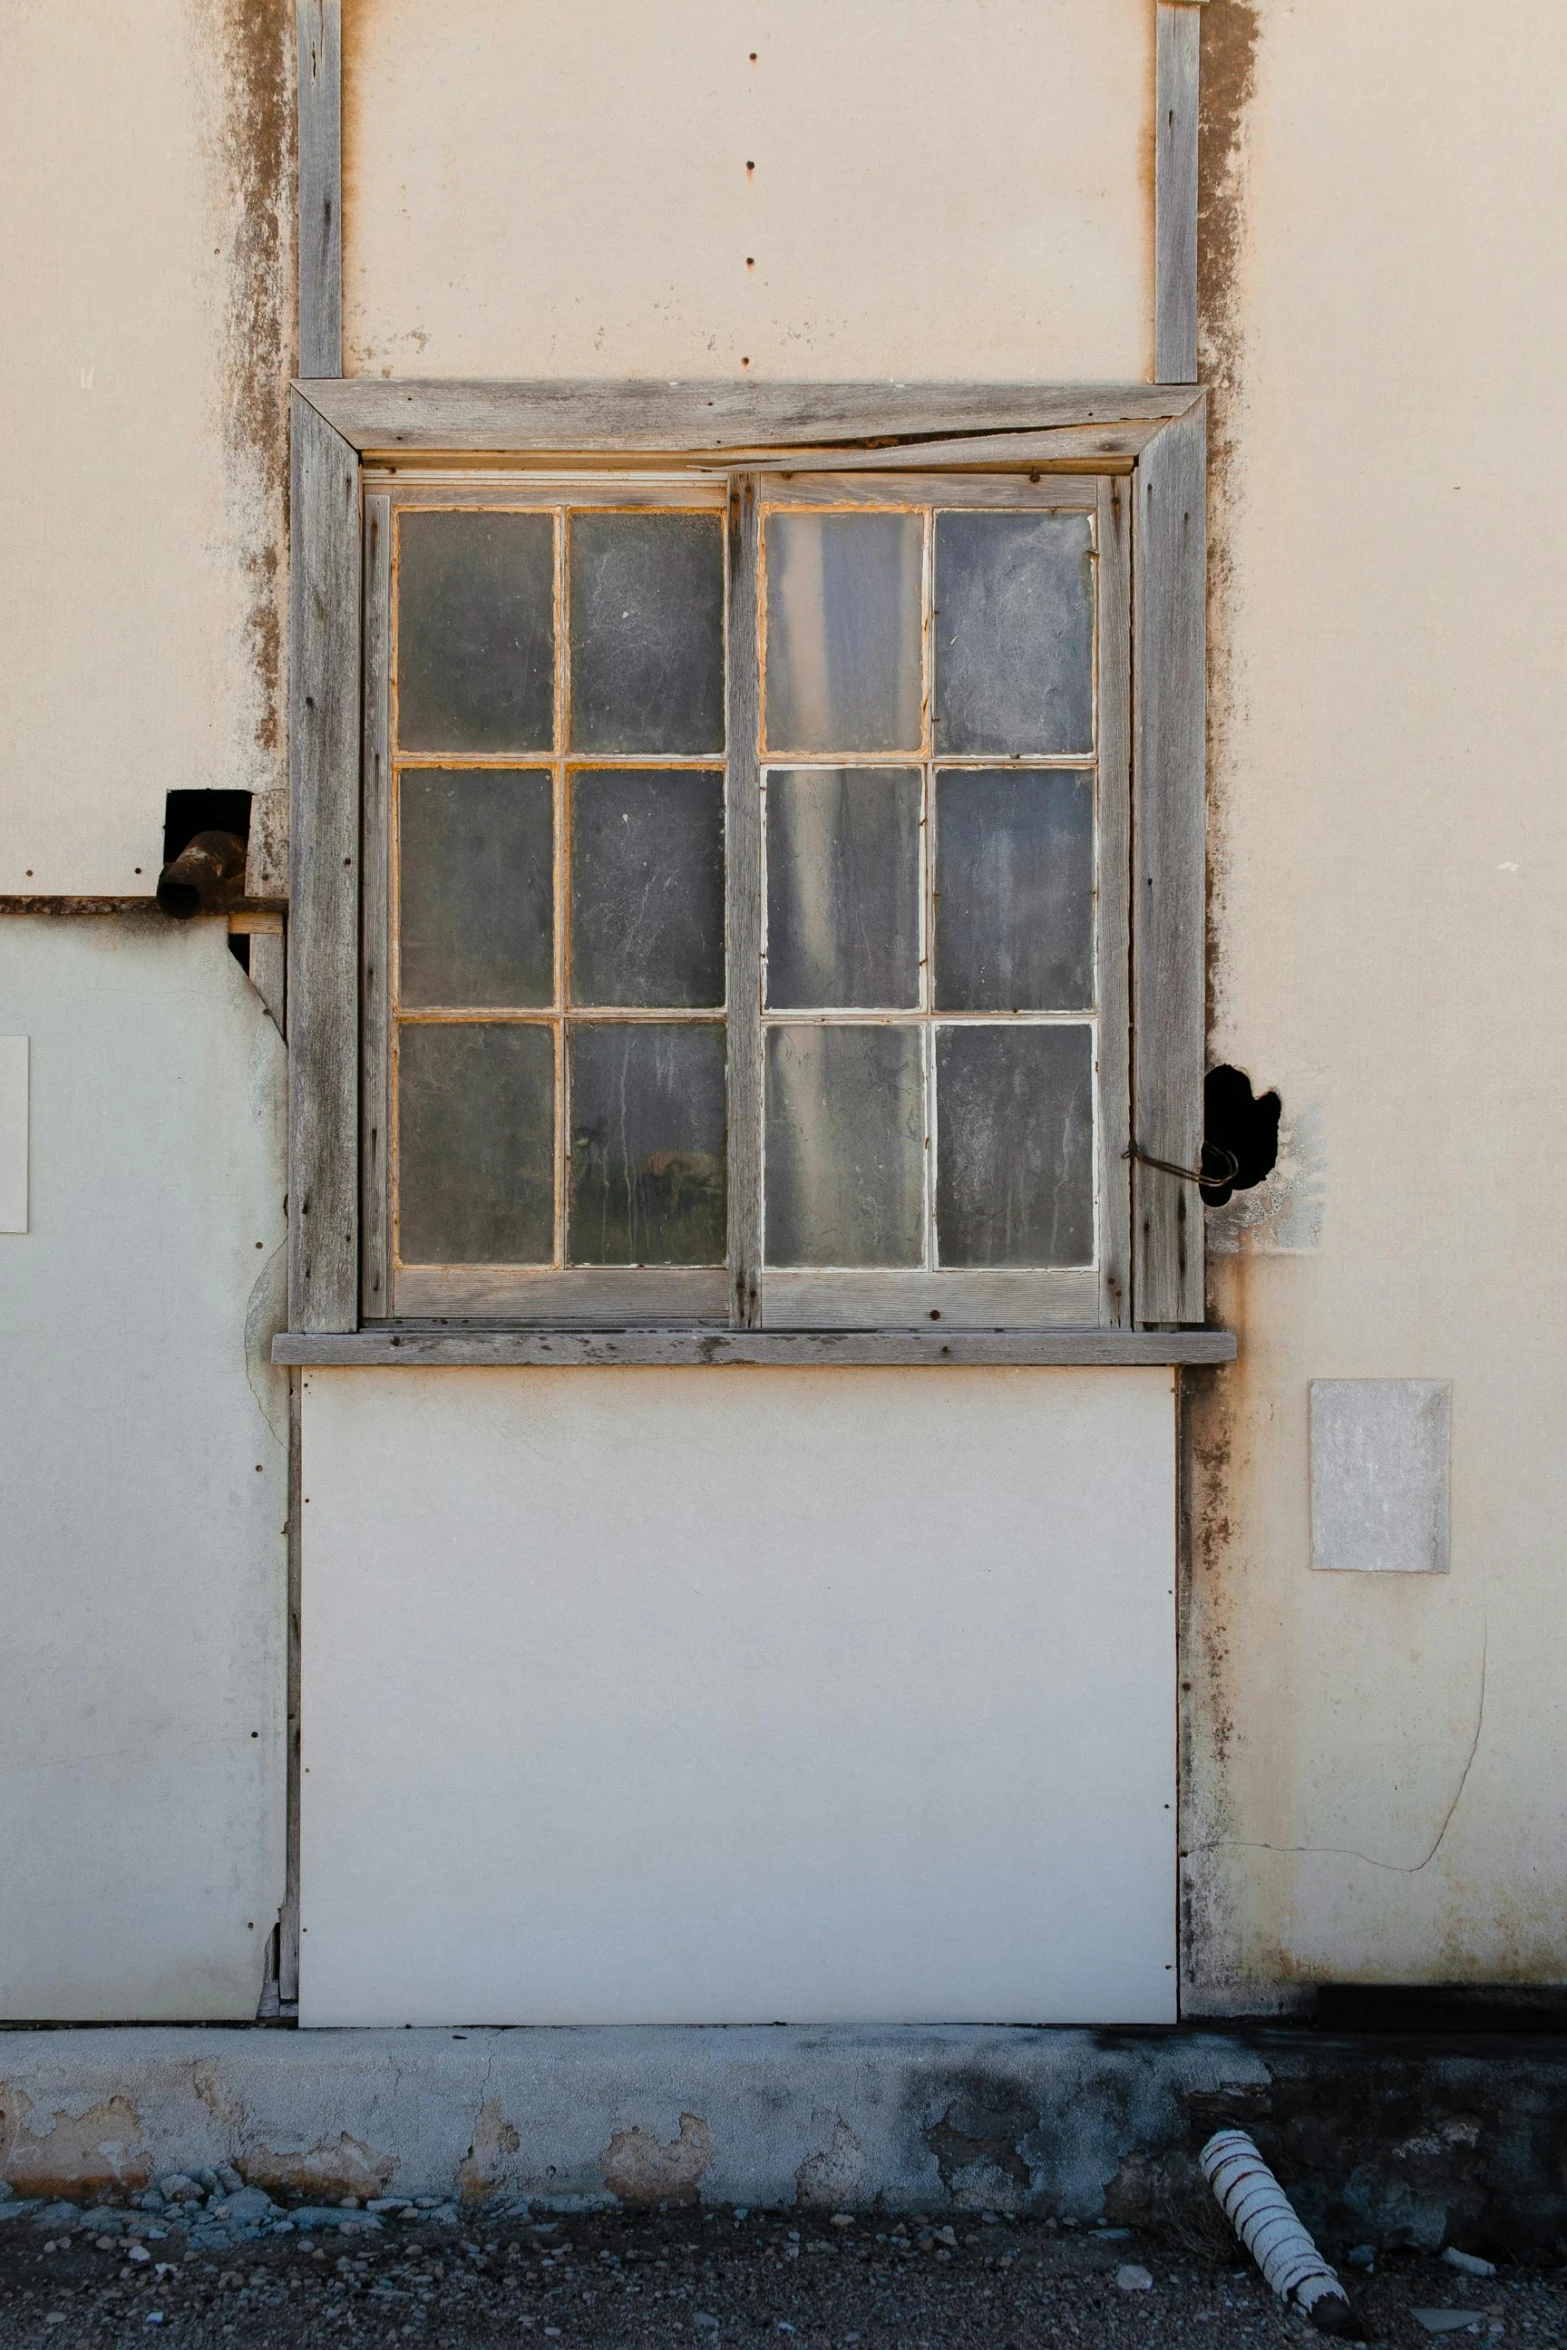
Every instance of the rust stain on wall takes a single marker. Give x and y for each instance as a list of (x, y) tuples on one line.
[(637, 2169), (246, 50), (1213, 1403), (64, 2153)]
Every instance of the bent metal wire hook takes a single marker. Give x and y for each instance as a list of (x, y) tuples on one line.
[(1134, 1150)]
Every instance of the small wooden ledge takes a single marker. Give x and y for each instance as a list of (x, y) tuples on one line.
[(441, 1345)]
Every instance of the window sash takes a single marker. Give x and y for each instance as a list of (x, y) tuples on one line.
[(745, 1293)]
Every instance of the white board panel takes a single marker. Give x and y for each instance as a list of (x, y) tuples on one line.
[(13, 1133), (142, 1559), (930, 188), (738, 1696)]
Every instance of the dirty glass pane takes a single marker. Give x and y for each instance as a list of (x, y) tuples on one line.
[(476, 632), (1014, 890), (647, 1144), (475, 1144), (1014, 633), (843, 632), (647, 632), (843, 887), (647, 886), (845, 1146), (476, 862), (1014, 1161)]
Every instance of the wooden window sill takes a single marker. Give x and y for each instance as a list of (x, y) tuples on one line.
[(441, 1345)]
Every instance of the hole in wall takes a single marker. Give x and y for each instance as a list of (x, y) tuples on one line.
[(1240, 1134), (185, 813)]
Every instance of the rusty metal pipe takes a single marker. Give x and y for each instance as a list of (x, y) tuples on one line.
[(207, 877)]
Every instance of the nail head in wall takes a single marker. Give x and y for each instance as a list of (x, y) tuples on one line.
[(1380, 1475)]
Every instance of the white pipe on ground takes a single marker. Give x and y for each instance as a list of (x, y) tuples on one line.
[(1259, 2211)]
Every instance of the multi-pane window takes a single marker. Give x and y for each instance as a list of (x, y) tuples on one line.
[(755, 888)]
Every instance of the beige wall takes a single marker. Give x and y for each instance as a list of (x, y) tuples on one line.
[(1387, 314), (146, 289), (948, 188)]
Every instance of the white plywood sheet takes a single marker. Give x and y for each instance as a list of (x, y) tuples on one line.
[(142, 1557), (931, 188), (13, 1134), (739, 1696)]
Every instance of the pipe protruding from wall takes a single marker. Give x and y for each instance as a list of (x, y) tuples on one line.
[(207, 877), (1261, 2214)]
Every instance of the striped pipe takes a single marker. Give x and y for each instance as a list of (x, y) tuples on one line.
[(1258, 2209)]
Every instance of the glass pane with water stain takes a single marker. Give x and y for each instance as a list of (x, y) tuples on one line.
[(475, 1143), (647, 886), (843, 632), (1014, 1153), (1014, 890), (647, 633), (845, 1146), (475, 632), (843, 887), (647, 1144), (476, 879), (1014, 634)]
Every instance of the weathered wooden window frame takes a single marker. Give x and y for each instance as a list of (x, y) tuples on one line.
[(1151, 436)]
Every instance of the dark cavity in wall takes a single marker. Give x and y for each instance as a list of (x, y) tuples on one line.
[(1240, 1137)]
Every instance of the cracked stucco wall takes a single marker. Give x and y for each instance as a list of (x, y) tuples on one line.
[(1376, 1766)]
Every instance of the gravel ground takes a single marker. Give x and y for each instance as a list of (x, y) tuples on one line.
[(689, 2277)]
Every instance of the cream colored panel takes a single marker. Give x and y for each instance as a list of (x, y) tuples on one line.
[(144, 181), (737, 1696), (142, 1558), (927, 188)]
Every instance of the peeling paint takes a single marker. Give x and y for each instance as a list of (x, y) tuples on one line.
[(483, 2166), (836, 2176), (331, 2168), (637, 2169), (56, 2152)]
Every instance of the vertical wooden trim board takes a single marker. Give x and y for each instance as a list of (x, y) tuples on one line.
[(743, 889), (318, 34), (1179, 32), (1170, 563), (1114, 570), (375, 929), (323, 937)]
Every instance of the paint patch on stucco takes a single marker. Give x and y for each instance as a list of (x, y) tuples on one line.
[(483, 2167), (55, 2152), (332, 2167), (835, 2177), (638, 2169)]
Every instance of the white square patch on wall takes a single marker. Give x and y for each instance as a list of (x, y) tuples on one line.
[(13, 1134), (1380, 1453)]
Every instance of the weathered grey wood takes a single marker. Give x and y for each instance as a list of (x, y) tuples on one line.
[(743, 911), (1168, 812), (1117, 445), (1114, 529), (588, 1296), (565, 414), (838, 1299), (1063, 492), (403, 1343), (268, 956), (375, 938), (1178, 44), (319, 48), (266, 850), (323, 959)]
